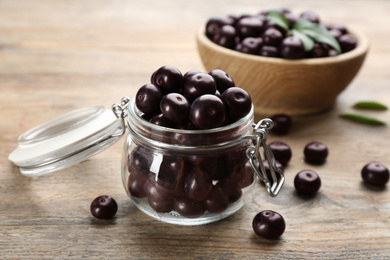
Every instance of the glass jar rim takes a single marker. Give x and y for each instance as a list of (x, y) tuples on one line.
[(157, 134)]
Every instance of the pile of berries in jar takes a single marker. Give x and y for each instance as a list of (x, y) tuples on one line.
[(195, 100), (280, 33), (204, 173)]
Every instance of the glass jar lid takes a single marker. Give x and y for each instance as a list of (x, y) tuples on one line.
[(66, 140)]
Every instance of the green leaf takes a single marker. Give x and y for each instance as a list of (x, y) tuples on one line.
[(308, 43), (370, 105), (279, 19), (362, 119), (317, 32)]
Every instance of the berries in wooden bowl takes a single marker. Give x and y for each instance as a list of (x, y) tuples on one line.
[(296, 70)]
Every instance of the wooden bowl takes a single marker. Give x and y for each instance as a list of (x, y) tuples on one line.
[(293, 87)]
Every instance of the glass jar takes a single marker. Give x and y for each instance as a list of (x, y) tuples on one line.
[(192, 177), (187, 177)]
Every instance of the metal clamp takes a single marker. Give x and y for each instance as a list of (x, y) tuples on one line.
[(120, 111), (274, 184)]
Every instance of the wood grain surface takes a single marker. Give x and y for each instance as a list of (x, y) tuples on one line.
[(56, 56)]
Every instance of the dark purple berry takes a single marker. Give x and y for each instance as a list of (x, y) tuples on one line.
[(310, 16), (104, 207), (148, 99), (161, 120), (171, 174), (281, 151), (222, 80), (250, 45), (136, 183), (347, 42), (168, 78), (342, 28), (282, 124), (292, 19), (159, 198), (272, 37), (215, 24), (270, 24), (216, 201), (315, 152), (198, 85), (269, 51), (175, 107), (245, 175), (268, 224), (188, 208), (291, 48), (375, 174), (226, 37), (335, 33), (332, 52), (249, 27), (318, 51), (189, 74), (307, 183), (139, 161), (197, 184), (207, 111), (237, 101)]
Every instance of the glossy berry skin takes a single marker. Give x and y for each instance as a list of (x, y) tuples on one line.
[(249, 27), (335, 33), (268, 224), (282, 152), (310, 16), (307, 183), (375, 174), (318, 51), (272, 37), (216, 201), (139, 161), (148, 99), (136, 183), (237, 101), (269, 51), (175, 107), (161, 120), (226, 37), (250, 45), (207, 111), (347, 42), (315, 152), (197, 184), (222, 80), (270, 24), (292, 19), (332, 52), (188, 208), (215, 24), (104, 207), (189, 74), (282, 124), (291, 48), (159, 198), (168, 78), (198, 85)]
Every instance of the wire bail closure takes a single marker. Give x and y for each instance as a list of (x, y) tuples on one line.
[(274, 184), (120, 111)]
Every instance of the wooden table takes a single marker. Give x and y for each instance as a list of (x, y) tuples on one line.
[(56, 56)]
